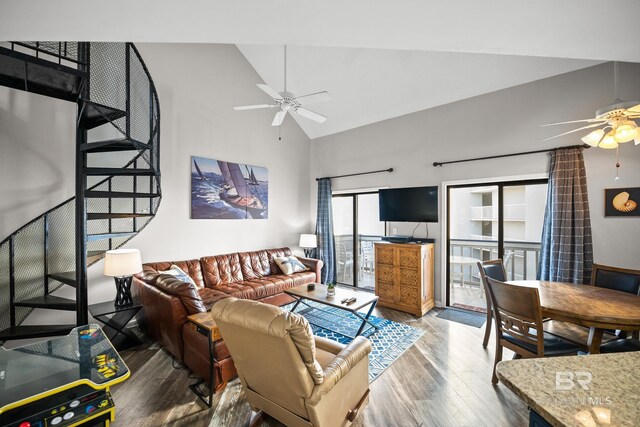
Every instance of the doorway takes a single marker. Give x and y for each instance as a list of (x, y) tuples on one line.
[(356, 227), (488, 221)]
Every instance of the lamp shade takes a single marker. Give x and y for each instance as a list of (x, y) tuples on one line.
[(594, 137), (122, 262), (608, 141), (308, 241), (626, 131)]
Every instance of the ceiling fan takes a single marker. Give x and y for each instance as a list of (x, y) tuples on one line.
[(616, 123), (288, 102)]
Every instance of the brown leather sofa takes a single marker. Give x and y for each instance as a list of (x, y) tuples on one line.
[(167, 301)]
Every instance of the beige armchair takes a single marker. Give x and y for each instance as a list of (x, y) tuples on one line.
[(286, 372)]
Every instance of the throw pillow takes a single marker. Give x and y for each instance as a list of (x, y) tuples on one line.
[(178, 273), (290, 265)]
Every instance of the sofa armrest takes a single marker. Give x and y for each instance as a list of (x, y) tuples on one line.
[(314, 264), (162, 316), (350, 356)]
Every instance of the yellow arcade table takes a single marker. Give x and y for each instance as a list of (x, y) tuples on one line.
[(60, 382)]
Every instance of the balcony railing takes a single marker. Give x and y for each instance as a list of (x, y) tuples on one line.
[(520, 258)]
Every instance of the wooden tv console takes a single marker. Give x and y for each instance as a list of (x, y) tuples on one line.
[(404, 276)]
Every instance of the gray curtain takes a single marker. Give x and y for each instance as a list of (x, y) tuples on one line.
[(566, 254), (324, 230)]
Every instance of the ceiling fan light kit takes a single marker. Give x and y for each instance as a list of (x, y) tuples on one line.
[(616, 124)]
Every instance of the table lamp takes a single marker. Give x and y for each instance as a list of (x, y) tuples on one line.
[(308, 242), (121, 264)]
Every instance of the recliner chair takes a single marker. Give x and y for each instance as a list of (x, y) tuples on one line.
[(287, 372)]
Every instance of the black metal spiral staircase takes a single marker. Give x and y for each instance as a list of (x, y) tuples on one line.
[(117, 151)]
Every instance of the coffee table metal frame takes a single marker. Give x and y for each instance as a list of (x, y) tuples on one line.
[(354, 310)]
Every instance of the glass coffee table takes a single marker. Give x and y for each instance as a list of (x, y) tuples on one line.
[(319, 295)]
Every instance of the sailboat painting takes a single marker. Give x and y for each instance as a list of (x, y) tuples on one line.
[(226, 190)]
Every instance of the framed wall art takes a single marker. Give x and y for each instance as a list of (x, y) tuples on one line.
[(227, 190), (622, 201)]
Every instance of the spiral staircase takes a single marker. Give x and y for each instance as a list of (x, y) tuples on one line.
[(117, 151)]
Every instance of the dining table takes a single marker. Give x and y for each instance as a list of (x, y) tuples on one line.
[(594, 307)]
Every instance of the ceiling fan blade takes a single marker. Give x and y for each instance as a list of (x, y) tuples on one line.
[(310, 115), (272, 93), (635, 109), (575, 121), (279, 118), (575, 130), (314, 98), (254, 107)]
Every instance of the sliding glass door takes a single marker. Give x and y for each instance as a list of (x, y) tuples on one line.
[(356, 226), (489, 221)]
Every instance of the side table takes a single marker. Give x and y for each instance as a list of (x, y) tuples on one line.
[(115, 320), (204, 324)]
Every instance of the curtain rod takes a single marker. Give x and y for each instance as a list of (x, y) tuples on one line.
[(436, 164), (356, 174)]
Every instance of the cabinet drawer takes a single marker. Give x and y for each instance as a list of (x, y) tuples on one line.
[(384, 255), (409, 277), (385, 290), (410, 296), (384, 273), (409, 257)]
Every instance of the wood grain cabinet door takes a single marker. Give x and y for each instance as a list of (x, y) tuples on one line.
[(385, 274)]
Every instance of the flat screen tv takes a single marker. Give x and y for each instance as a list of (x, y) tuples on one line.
[(410, 204)]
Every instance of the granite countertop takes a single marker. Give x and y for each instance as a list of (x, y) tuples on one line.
[(584, 391)]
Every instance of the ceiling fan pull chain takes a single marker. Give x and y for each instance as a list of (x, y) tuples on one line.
[(617, 163), (285, 67)]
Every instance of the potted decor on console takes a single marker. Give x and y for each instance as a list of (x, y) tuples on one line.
[(331, 289)]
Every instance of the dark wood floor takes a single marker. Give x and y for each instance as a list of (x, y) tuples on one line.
[(443, 380)]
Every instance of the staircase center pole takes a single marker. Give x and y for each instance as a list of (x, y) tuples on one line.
[(82, 309)]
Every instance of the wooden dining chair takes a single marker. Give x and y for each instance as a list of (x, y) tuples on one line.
[(494, 269), (518, 319), (616, 278)]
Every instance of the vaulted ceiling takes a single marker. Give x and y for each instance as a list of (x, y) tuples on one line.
[(379, 59)]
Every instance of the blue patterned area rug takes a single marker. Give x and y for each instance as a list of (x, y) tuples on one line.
[(388, 342)]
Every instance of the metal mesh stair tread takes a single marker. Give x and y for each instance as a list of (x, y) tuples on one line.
[(102, 236), (97, 216), (48, 301), (118, 144), (118, 194), (118, 171), (34, 331), (94, 114), (67, 277), (31, 74)]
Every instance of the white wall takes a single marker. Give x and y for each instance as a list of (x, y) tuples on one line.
[(501, 122), (198, 85), (37, 163)]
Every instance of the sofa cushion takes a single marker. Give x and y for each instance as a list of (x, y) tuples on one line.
[(303, 278), (272, 254), (254, 265), (211, 296), (185, 291), (191, 267), (221, 270), (240, 290)]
